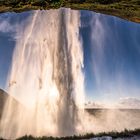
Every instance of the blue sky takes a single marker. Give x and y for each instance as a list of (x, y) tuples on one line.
[(111, 54), (112, 57), (8, 23)]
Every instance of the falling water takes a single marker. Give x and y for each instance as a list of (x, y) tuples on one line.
[(46, 77)]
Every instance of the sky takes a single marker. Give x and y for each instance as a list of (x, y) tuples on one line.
[(111, 55)]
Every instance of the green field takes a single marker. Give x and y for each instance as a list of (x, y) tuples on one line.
[(126, 9)]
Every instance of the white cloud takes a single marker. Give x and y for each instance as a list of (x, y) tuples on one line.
[(5, 26), (126, 103), (129, 102)]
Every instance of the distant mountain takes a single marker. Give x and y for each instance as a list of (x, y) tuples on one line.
[(94, 105)]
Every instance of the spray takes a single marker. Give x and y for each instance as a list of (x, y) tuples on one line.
[(46, 77)]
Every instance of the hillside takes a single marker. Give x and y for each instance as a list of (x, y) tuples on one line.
[(3, 96), (126, 9)]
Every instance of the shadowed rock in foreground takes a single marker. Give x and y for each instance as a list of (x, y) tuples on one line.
[(126, 9)]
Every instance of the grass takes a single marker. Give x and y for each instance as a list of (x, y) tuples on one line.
[(126, 9), (113, 134)]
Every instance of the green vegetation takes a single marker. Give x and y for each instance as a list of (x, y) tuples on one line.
[(126, 9), (123, 134)]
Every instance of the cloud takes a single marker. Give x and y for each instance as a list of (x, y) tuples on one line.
[(5, 26), (129, 102), (125, 103)]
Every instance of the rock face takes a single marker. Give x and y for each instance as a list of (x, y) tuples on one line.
[(3, 97)]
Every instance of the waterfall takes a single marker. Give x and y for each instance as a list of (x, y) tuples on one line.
[(46, 77)]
